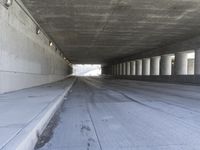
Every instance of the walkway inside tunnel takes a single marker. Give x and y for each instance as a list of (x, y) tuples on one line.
[(102, 114)]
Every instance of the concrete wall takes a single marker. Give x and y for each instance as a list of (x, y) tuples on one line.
[(189, 79), (26, 59)]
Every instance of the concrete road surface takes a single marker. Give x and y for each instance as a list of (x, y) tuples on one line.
[(101, 114)]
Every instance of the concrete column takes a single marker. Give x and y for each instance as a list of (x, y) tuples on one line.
[(190, 67), (155, 66), (114, 70), (133, 68), (124, 68), (139, 67), (181, 63), (146, 66), (166, 65), (197, 62), (121, 69), (128, 68), (118, 69)]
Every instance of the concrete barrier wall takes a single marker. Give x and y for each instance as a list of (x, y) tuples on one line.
[(190, 79), (26, 59)]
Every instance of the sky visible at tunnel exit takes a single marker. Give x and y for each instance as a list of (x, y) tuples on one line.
[(86, 70)]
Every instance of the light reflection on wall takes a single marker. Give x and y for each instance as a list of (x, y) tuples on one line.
[(86, 70)]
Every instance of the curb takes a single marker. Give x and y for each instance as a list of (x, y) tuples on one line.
[(28, 137)]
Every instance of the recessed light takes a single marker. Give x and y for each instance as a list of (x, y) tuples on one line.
[(50, 43), (8, 3), (38, 31)]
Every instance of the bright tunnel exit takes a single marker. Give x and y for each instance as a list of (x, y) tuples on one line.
[(86, 70)]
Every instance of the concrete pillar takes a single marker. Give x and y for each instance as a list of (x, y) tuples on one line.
[(166, 65), (197, 62), (121, 69), (114, 70), (128, 68), (181, 63), (118, 69), (139, 67), (133, 68), (124, 68), (146, 66), (190, 67), (155, 66)]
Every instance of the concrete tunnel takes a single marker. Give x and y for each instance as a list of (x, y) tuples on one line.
[(147, 97)]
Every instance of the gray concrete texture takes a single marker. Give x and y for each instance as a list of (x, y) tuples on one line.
[(93, 31), (26, 59), (181, 79), (26, 113), (110, 114), (181, 63)]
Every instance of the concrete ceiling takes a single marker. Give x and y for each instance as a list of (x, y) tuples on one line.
[(97, 31)]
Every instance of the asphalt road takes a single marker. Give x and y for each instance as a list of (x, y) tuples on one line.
[(102, 114)]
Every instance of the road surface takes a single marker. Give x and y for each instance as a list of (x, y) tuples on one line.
[(101, 114)]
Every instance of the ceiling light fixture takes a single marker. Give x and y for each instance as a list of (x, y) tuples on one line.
[(38, 31), (50, 43), (8, 3)]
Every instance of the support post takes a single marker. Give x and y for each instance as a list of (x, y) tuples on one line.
[(166, 65), (181, 63), (197, 62), (146, 66), (124, 68), (133, 68), (128, 68), (139, 67), (155, 66)]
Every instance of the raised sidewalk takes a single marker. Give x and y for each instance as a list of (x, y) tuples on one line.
[(24, 114)]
